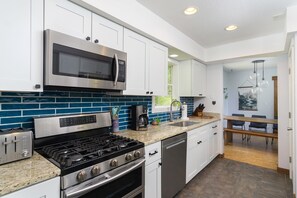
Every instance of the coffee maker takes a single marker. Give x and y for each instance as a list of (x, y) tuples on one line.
[(139, 118)]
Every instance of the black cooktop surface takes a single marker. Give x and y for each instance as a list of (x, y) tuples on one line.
[(72, 155)]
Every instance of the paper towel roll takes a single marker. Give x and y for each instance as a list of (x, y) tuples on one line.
[(184, 108)]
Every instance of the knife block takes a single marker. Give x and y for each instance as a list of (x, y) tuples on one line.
[(198, 112)]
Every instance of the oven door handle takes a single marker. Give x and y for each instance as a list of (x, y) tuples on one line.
[(117, 70), (94, 186)]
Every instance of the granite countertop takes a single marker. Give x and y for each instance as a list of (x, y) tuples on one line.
[(163, 131), (23, 173)]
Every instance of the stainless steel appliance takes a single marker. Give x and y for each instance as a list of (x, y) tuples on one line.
[(139, 118), (73, 62), (173, 165), (15, 144), (93, 161)]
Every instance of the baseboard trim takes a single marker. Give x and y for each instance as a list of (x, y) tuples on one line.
[(221, 155), (283, 171)]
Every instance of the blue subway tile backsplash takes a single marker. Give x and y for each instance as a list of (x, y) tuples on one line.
[(17, 109)]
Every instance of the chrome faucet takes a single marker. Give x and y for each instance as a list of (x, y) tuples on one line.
[(171, 116)]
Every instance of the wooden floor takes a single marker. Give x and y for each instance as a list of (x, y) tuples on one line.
[(255, 152), (225, 178)]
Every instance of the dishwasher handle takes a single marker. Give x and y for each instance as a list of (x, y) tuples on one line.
[(175, 144)]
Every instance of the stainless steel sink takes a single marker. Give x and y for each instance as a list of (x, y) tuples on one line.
[(183, 123)]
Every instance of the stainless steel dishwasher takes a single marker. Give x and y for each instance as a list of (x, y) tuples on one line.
[(173, 165)]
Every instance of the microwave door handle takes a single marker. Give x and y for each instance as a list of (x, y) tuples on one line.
[(117, 70), (83, 191)]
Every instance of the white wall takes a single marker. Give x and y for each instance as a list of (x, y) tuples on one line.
[(264, 45), (283, 112), (214, 92), (265, 99), (291, 17)]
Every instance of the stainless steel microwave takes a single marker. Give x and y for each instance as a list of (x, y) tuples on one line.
[(76, 63)]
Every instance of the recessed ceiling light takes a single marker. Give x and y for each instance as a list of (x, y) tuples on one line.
[(231, 27), (173, 55), (190, 10)]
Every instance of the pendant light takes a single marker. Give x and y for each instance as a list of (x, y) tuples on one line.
[(255, 76)]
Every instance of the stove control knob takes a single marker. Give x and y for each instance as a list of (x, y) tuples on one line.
[(137, 154), (113, 163), (81, 176), (128, 157), (95, 170)]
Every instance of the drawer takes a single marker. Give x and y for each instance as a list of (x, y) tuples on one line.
[(197, 130), (215, 127), (152, 152)]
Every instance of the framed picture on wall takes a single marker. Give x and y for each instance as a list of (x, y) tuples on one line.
[(247, 99)]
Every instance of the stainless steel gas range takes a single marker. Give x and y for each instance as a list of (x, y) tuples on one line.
[(93, 162)]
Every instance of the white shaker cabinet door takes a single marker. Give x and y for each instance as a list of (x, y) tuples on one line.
[(153, 180), (107, 33), (158, 69), (192, 156), (136, 47), (46, 189), (21, 50), (68, 18)]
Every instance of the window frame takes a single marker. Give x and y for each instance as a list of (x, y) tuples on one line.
[(175, 90)]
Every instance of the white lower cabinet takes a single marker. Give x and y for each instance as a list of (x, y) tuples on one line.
[(46, 189), (202, 148), (213, 141), (153, 170), (153, 180)]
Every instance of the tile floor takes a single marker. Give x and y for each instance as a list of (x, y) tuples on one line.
[(224, 178)]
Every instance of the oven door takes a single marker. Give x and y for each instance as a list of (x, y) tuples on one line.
[(126, 181), (73, 62)]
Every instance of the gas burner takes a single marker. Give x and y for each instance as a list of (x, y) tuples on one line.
[(76, 157)]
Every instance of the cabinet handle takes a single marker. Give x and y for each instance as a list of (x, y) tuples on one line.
[(88, 38), (215, 126), (151, 92), (199, 142), (215, 133), (160, 163), (154, 153), (147, 92), (37, 86), (96, 41)]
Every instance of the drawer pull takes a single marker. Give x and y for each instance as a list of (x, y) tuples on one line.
[(199, 142), (215, 133), (154, 153), (215, 126)]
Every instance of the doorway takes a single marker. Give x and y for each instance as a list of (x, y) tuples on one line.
[(240, 80)]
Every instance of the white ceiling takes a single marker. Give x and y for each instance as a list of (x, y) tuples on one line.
[(254, 18)]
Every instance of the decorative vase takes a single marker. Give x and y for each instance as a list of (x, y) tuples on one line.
[(115, 124)]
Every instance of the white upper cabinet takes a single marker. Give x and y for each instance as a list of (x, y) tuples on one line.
[(158, 69), (68, 18), (21, 48), (107, 33), (137, 48), (192, 75), (146, 65)]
